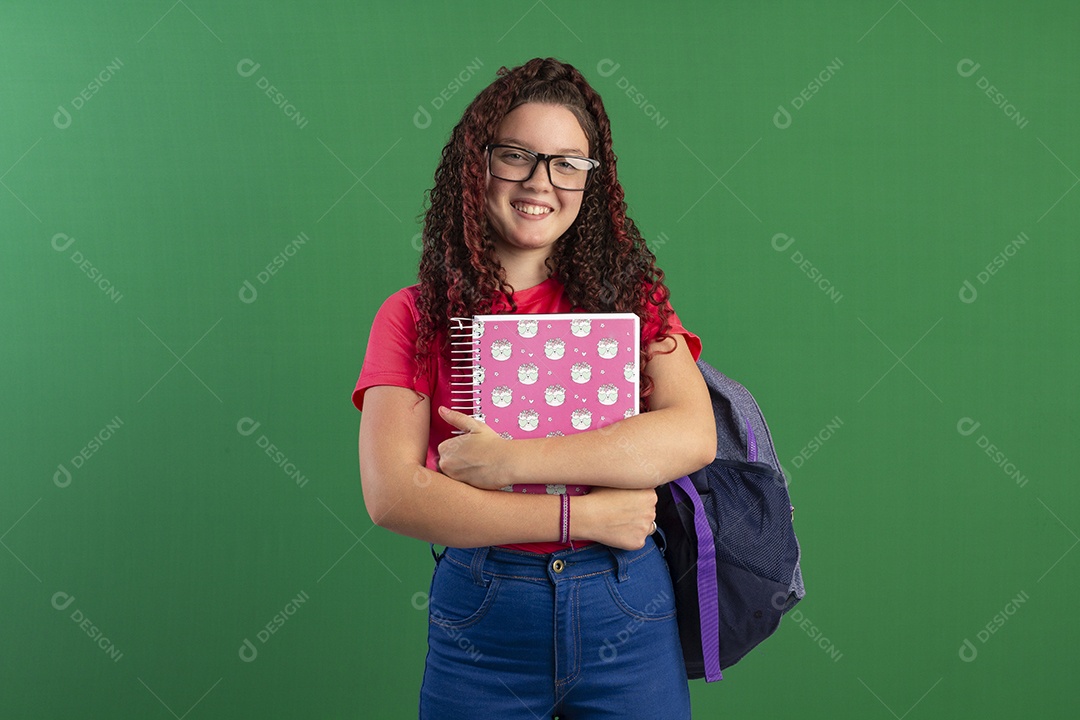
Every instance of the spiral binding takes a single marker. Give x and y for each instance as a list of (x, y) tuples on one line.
[(464, 395)]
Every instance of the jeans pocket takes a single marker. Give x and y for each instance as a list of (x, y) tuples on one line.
[(646, 594), (455, 600)]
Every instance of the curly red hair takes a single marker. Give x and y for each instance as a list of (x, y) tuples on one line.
[(602, 260)]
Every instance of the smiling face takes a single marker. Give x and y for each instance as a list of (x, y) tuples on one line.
[(533, 215)]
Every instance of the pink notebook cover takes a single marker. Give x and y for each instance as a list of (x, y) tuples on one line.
[(530, 376)]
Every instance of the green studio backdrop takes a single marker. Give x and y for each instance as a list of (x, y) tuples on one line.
[(867, 210)]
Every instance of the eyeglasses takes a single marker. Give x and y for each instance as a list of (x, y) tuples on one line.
[(566, 172)]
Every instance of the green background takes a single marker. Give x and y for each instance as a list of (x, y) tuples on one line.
[(177, 179)]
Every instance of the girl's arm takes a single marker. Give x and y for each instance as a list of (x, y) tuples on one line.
[(403, 496), (676, 437)]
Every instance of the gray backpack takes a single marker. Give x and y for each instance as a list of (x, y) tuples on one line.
[(728, 538)]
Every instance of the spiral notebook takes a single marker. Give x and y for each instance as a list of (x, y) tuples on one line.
[(531, 376)]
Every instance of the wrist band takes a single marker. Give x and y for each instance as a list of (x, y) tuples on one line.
[(564, 520)]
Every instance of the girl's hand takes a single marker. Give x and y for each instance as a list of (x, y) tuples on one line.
[(614, 516), (477, 457)]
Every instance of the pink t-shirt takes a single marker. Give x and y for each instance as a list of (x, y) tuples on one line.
[(390, 360)]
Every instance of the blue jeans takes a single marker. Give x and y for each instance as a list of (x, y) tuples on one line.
[(587, 633)]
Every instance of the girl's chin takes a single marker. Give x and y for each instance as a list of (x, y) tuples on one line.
[(529, 237), (529, 242)]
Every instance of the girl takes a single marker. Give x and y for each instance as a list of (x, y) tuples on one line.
[(527, 216)]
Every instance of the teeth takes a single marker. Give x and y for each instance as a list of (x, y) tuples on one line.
[(531, 209)]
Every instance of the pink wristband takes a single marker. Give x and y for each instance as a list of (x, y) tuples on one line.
[(564, 520)]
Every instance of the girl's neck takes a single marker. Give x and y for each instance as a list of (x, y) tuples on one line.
[(524, 269)]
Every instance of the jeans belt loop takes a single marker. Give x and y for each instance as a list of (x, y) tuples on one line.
[(622, 572), (479, 557), (661, 544)]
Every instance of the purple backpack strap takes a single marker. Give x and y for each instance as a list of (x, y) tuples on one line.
[(751, 443), (706, 579)]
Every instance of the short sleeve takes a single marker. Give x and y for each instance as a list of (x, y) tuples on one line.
[(390, 357), (692, 340), (652, 330)]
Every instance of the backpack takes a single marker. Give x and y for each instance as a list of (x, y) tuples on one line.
[(728, 538)]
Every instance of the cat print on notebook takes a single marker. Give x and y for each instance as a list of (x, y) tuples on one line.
[(501, 349), (554, 348), (607, 348), (607, 394), (581, 372), (501, 396), (528, 374), (528, 420), (580, 327), (555, 395), (581, 419)]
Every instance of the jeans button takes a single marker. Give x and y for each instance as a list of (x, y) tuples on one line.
[(558, 566)]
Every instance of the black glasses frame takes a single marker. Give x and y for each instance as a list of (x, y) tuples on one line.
[(546, 159)]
